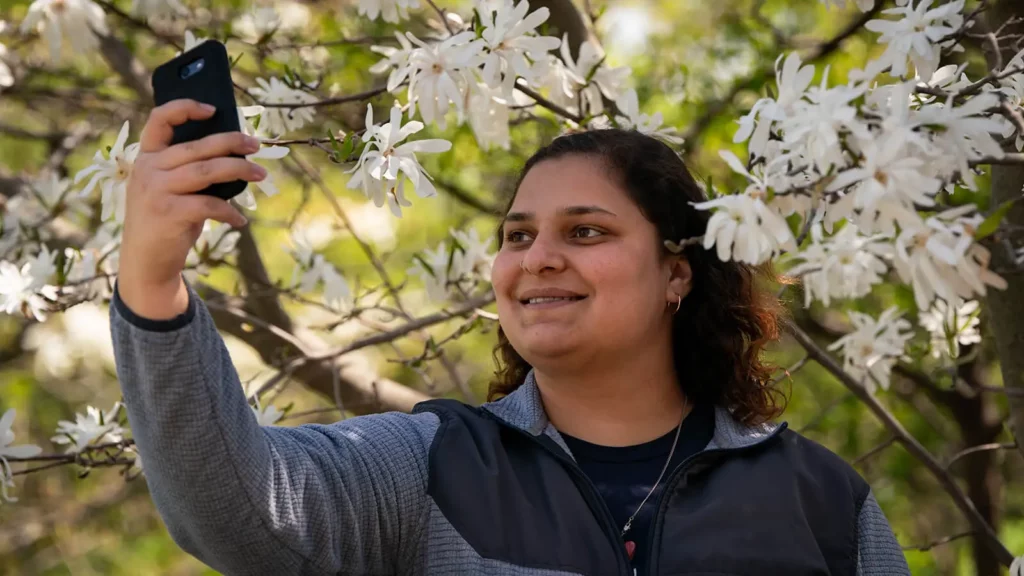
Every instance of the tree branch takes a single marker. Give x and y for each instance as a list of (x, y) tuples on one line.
[(985, 532)]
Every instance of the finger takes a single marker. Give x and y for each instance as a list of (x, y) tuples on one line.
[(196, 176), (212, 146), (198, 208), (159, 129)]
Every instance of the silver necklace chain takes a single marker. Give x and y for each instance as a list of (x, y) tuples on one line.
[(671, 452)]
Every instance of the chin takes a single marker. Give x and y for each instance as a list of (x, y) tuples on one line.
[(542, 343)]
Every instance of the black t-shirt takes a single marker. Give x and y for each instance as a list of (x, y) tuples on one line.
[(624, 475)]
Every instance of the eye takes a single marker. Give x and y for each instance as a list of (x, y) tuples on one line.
[(511, 235), (595, 230)]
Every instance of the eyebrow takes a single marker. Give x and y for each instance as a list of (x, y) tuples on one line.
[(565, 211)]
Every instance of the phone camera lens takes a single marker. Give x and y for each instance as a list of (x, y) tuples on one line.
[(192, 68)]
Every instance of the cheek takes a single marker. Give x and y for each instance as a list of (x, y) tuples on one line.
[(503, 273)]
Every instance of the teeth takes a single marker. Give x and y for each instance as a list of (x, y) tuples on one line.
[(539, 300)]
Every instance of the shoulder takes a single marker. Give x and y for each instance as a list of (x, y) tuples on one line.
[(819, 467)]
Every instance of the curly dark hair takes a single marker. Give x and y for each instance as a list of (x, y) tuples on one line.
[(728, 317)]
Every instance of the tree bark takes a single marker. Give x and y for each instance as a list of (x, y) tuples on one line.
[(567, 18), (1006, 307), (980, 423)]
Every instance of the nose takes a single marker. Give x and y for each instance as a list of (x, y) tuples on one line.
[(543, 255)]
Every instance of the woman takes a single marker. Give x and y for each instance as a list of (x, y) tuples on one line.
[(632, 434)]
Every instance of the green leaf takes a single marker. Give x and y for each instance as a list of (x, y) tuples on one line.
[(335, 145), (991, 224), (348, 146)]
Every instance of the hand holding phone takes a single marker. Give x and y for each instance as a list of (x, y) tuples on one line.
[(164, 216), (202, 74)]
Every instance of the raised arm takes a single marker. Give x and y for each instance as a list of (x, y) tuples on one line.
[(348, 497)]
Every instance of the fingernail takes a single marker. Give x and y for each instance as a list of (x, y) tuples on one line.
[(243, 223), (207, 107), (259, 171), (252, 143)]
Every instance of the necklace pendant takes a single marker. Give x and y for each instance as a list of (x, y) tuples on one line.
[(630, 548)]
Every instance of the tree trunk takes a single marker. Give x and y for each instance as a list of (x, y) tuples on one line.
[(1006, 307), (980, 423)]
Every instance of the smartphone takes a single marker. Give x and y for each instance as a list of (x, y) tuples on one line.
[(203, 74)]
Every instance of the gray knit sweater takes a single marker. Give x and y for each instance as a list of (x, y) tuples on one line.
[(345, 498)]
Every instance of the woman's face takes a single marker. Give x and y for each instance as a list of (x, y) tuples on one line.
[(582, 239)]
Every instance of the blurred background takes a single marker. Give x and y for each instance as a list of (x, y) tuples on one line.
[(701, 64)]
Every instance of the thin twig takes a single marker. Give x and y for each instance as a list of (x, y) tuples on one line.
[(939, 542), (980, 448), (522, 87), (365, 95), (877, 449)]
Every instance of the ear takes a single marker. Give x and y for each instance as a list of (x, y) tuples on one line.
[(680, 280)]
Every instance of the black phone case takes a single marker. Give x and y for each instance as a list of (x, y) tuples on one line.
[(211, 85)]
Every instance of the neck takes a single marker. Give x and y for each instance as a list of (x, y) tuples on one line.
[(622, 404)]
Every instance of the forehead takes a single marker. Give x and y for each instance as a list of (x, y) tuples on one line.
[(570, 181)]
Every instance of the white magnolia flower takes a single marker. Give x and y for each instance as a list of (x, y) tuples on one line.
[(26, 289), (377, 171), (744, 228), (395, 59), (870, 351), (889, 184), (845, 265), (214, 244), (191, 41), (391, 10), (7, 450), (940, 258), (93, 427), (915, 35), (432, 267), (266, 19), (966, 132), (650, 125), (592, 77), (511, 43), (266, 416), (96, 262), (314, 268), (489, 117), (951, 326), (80, 20), (792, 81), (472, 259), (52, 193), (148, 9), (438, 74), (259, 23), (448, 271), (813, 127), (246, 198), (552, 75), (6, 75), (111, 173), (281, 120)]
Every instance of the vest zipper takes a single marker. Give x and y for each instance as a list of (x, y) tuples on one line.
[(590, 494), (658, 523)]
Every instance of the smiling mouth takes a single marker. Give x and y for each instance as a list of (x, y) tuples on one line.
[(550, 302)]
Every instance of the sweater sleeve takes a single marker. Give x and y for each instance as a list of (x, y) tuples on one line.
[(314, 499), (878, 552)]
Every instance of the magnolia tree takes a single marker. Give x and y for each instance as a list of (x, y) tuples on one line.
[(850, 184)]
